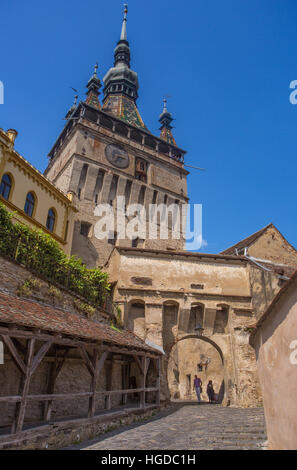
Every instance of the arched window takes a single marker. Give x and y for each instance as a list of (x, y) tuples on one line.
[(29, 204), (5, 186), (50, 221)]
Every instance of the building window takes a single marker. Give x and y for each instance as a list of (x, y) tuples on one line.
[(50, 221), (141, 170), (112, 238), (29, 204), (155, 197), (66, 230), (85, 228), (113, 190), (135, 242), (141, 195), (127, 193), (82, 179), (99, 184), (5, 186)]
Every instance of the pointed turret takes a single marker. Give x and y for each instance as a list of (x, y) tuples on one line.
[(121, 83), (93, 87), (71, 110), (166, 128)]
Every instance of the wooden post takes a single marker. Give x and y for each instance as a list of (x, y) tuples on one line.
[(157, 362), (144, 368), (109, 385), (98, 365), (108, 403), (125, 382), (55, 369), (24, 388)]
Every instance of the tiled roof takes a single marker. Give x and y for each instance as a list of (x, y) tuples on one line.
[(33, 314), (167, 135), (171, 253), (125, 109), (281, 269), (246, 242)]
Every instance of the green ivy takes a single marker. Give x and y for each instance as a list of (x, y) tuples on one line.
[(40, 253)]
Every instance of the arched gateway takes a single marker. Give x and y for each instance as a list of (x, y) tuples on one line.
[(192, 355)]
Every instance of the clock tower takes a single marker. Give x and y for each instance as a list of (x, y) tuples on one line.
[(106, 151)]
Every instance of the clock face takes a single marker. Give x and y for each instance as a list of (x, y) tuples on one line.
[(117, 156)]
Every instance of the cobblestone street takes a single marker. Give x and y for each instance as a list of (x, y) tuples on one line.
[(188, 426)]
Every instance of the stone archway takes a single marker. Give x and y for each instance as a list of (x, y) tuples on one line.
[(184, 355)]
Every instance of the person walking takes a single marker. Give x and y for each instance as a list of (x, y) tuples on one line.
[(198, 387), (210, 392)]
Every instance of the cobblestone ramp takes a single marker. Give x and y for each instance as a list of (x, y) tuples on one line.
[(189, 427)]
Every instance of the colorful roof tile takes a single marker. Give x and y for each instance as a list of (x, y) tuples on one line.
[(166, 128), (93, 86), (124, 108)]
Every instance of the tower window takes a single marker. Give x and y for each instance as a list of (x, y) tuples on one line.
[(141, 170), (85, 228), (99, 184), (112, 238), (128, 192), (82, 179), (5, 186), (50, 221), (135, 242), (29, 204), (141, 195), (66, 230), (113, 189)]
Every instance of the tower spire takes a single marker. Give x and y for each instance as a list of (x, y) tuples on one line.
[(124, 25), (166, 127), (93, 87), (121, 83)]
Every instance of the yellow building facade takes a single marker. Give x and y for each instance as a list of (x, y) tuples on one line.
[(33, 199)]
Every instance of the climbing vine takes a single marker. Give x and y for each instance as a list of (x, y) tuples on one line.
[(40, 253)]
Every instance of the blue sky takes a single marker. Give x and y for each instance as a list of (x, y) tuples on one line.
[(226, 66)]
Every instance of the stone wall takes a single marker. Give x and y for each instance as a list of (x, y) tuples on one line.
[(74, 375), (178, 291), (272, 246), (64, 434), (275, 343), (22, 282)]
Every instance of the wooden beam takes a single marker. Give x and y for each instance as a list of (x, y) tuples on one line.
[(40, 355), (147, 363), (87, 360), (19, 346), (142, 383), (68, 396), (66, 341), (14, 354), (139, 363), (55, 369), (158, 367), (25, 383)]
